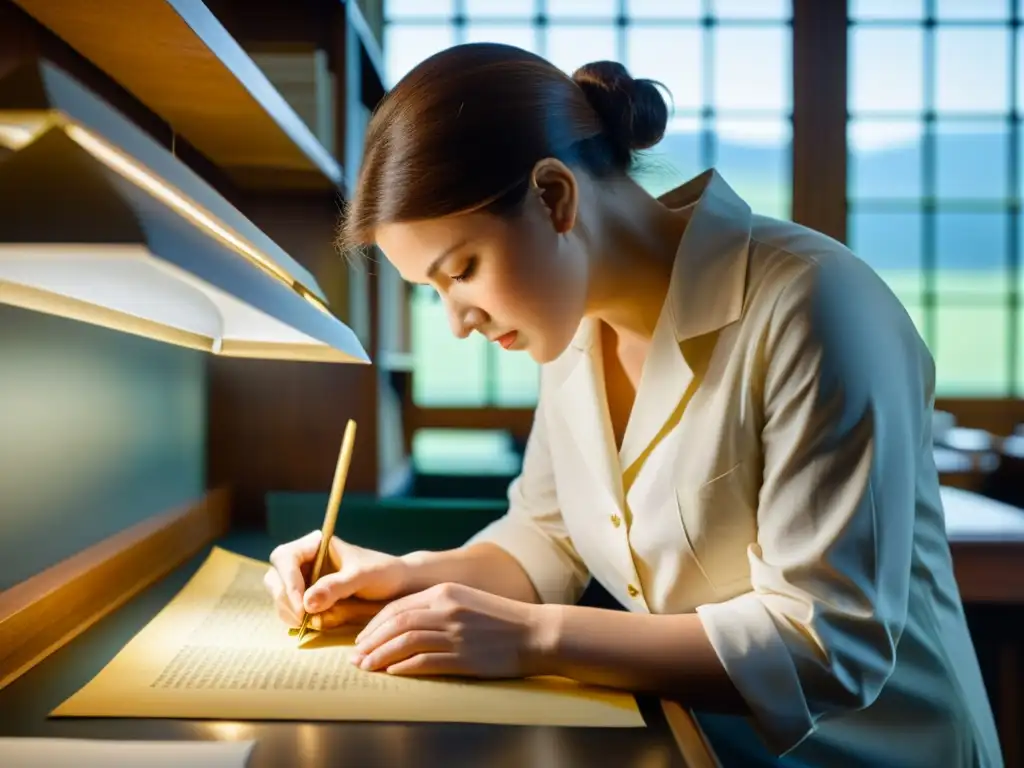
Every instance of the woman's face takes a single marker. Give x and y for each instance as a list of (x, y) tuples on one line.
[(520, 281)]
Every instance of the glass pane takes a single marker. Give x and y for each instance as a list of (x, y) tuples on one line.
[(886, 9), (1020, 345), (464, 452), (664, 9), (971, 252), (418, 9), (520, 35), (672, 55), (970, 350), (974, 9), (887, 69), (570, 47), (1019, 220), (972, 160), (449, 371), (1020, 68), (673, 160), (972, 70), (752, 9), (885, 159), (1020, 307), (583, 9), (754, 158), (405, 46), (917, 314), (518, 381), (752, 68), (891, 243), (481, 9)]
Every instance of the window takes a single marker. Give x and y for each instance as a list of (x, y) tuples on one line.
[(727, 64), (935, 94)]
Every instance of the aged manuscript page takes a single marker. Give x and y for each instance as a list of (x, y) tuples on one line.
[(218, 650)]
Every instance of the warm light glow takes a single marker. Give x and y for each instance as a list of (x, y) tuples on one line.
[(138, 293), (18, 130), (166, 194), (224, 730), (129, 290), (313, 299), (14, 136)]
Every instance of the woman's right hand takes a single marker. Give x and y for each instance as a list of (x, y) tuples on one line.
[(350, 594)]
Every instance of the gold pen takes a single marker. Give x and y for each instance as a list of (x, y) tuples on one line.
[(331, 516)]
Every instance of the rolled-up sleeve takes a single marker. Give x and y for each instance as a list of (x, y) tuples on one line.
[(846, 387), (533, 531)]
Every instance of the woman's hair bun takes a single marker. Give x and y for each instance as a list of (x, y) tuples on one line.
[(632, 110)]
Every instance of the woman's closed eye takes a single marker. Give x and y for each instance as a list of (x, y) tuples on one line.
[(466, 273)]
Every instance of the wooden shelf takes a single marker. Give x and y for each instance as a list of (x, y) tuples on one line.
[(179, 60)]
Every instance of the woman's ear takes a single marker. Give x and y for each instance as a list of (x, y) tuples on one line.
[(557, 189)]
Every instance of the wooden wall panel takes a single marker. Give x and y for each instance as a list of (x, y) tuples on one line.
[(44, 612), (277, 425)]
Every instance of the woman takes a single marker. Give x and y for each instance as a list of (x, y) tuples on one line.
[(732, 436)]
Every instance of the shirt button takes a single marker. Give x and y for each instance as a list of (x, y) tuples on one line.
[(633, 591), (616, 521)]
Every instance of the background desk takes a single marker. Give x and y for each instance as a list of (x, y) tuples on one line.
[(25, 704), (987, 542)]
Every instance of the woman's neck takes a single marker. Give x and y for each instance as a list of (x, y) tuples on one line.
[(634, 241)]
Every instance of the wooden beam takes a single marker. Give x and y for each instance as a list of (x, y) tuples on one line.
[(998, 416), (274, 25), (819, 115), (45, 612)]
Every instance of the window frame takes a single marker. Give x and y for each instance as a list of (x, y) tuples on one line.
[(819, 154)]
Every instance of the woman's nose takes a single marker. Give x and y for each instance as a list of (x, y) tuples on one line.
[(463, 320)]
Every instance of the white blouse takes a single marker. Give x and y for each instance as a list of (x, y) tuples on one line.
[(776, 477)]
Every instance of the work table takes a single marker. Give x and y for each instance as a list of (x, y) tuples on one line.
[(25, 704), (986, 537)]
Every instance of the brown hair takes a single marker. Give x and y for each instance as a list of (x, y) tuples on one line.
[(463, 130)]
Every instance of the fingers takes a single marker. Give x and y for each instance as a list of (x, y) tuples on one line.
[(420, 619), (346, 612), (424, 664), (438, 596), (404, 647), (288, 560), (419, 600), (334, 587), (285, 610)]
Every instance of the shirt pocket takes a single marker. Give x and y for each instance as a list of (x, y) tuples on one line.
[(719, 521)]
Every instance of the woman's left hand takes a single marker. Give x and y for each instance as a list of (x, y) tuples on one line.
[(451, 629)]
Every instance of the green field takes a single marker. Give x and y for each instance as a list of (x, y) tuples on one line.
[(968, 334)]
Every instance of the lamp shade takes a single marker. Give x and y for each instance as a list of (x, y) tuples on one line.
[(104, 225)]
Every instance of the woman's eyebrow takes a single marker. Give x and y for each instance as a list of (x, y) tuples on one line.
[(436, 263)]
